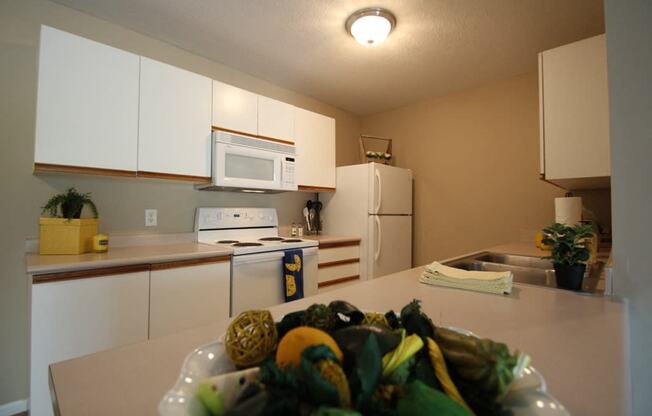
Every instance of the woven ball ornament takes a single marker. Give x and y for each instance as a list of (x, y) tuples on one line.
[(251, 337)]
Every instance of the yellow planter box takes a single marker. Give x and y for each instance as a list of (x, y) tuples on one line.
[(62, 236)]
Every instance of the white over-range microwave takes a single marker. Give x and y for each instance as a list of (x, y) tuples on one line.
[(250, 164)]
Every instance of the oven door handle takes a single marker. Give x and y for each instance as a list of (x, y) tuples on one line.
[(257, 257)]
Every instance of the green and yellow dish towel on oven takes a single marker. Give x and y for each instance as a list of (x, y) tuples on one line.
[(293, 275), (490, 282)]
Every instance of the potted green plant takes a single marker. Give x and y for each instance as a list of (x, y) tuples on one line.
[(71, 203), (570, 249), (64, 231)]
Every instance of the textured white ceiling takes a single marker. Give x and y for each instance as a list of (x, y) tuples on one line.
[(438, 46)]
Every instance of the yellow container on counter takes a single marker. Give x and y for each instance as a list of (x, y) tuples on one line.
[(100, 243), (64, 236), (538, 240)]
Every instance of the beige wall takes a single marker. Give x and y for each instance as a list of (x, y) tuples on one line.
[(475, 157), (121, 201)]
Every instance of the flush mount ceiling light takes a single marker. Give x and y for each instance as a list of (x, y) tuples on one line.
[(370, 26)]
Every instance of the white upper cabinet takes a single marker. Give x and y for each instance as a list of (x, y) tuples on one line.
[(574, 116), (234, 108), (175, 121), (87, 107), (314, 135), (275, 119)]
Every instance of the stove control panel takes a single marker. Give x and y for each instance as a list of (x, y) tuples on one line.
[(229, 218)]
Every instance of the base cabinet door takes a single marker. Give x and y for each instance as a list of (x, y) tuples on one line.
[(187, 297), (78, 317)]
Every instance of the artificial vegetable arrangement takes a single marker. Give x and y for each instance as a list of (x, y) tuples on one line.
[(338, 361)]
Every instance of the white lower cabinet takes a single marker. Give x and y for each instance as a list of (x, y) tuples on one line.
[(188, 297), (83, 312), (339, 263), (71, 318)]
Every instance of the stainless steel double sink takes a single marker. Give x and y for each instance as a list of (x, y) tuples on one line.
[(526, 269)]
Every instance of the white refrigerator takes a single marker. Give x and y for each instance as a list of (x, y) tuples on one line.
[(373, 201)]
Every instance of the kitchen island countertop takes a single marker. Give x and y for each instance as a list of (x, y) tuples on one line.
[(576, 342)]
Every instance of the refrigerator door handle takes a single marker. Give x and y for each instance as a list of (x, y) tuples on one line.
[(379, 238), (380, 191)]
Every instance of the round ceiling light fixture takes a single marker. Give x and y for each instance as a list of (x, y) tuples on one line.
[(370, 26)]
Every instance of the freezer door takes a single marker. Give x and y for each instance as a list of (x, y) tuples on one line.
[(390, 244), (390, 190)]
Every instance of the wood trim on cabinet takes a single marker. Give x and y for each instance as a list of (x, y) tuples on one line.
[(339, 244), (50, 168), (271, 139), (132, 268), (190, 262), (310, 188), (85, 274), (338, 281), (337, 263), (173, 176)]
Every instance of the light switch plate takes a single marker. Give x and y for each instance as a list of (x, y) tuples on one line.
[(151, 217)]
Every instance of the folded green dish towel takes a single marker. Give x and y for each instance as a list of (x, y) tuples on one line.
[(490, 282)]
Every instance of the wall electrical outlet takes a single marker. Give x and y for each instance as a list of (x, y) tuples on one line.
[(151, 217)]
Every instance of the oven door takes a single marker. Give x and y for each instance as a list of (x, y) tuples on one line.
[(246, 167), (257, 279)]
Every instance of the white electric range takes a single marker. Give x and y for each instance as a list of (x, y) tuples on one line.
[(256, 265)]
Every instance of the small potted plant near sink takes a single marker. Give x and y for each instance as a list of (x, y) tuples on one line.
[(570, 251), (64, 231)]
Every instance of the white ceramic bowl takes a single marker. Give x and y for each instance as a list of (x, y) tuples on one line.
[(527, 395)]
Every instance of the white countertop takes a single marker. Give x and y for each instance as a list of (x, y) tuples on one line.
[(123, 256), (576, 342), (144, 253)]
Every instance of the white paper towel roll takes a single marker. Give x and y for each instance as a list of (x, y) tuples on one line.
[(568, 210)]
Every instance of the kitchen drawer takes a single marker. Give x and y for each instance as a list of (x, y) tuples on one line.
[(341, 271), (328, 255), (337, 285)]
